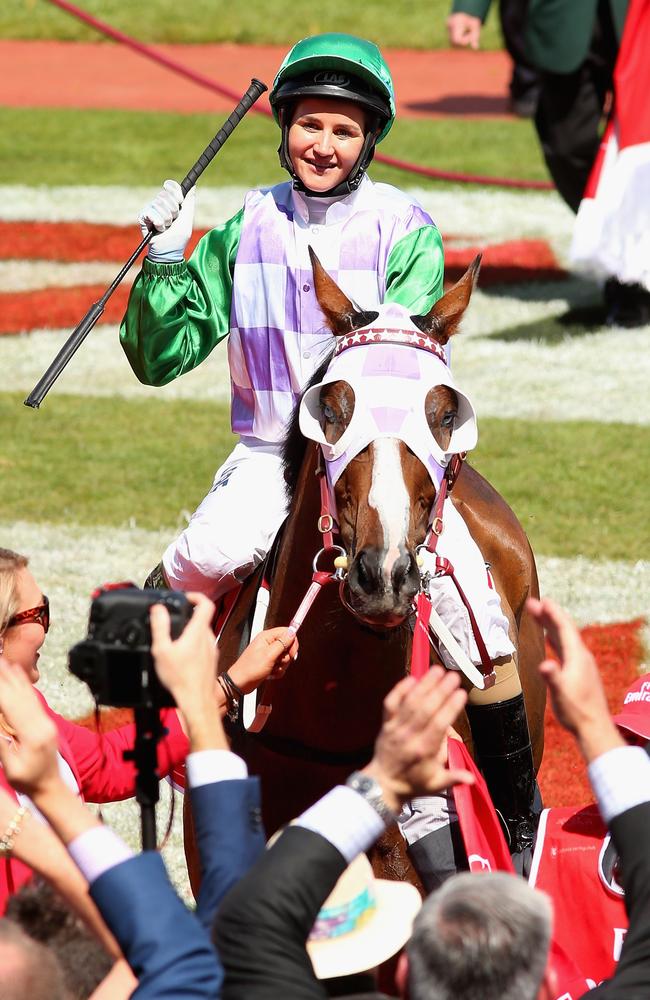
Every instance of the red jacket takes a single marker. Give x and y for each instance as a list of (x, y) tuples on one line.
[(100, 770)]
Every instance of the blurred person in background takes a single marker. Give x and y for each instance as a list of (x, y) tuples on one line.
[(575, 47), (611, 238), (464, 27)]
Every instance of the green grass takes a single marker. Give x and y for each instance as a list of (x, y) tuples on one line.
[(106, 461), (45, 146), (574, 488), (415, 24)]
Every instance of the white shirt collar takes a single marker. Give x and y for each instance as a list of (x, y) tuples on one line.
[(338, 209)]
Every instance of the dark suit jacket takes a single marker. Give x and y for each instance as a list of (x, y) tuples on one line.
[(631, 980), (167, 946), (263, 924), (558, 31)]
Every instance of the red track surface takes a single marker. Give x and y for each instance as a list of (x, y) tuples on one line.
[(104, 75), (619, 652), (503, 263)]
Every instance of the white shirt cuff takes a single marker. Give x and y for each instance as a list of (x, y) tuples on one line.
[(204, 767), (620, 779), (345, 819), (97, 850)]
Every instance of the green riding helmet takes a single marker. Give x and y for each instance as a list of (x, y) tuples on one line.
[(338, 66)]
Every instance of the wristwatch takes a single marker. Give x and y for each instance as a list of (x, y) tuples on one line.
[(370, 790)]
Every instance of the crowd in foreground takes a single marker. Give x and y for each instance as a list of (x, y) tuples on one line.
[(304, 917)]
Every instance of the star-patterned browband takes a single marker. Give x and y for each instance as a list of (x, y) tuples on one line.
[(388, 335)]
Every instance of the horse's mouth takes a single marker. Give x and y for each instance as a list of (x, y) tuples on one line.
[(374, 611)]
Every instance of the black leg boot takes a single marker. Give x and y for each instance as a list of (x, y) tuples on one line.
[(504, 754)]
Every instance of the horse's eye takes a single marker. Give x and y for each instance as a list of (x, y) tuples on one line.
[(328, 414), (448, 419)]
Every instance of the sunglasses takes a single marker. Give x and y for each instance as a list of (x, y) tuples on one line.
[(41, 614)]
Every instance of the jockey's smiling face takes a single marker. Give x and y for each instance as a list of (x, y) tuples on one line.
[(325, 140)]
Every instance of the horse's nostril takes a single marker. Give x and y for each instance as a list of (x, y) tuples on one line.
[(365, 571), (405, 574)]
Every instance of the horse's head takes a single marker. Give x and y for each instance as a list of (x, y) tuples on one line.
[(388, 417)]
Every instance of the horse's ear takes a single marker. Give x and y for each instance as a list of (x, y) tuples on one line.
[(341, 314), (441, 322)]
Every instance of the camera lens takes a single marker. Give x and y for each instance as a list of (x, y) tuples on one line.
[(133, 634)]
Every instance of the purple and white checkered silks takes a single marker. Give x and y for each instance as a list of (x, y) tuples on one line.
[(390, 378), (278, 337)]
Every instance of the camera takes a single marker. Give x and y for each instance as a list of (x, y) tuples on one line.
[(115, 659)]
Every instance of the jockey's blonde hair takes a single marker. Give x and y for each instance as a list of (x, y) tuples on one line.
[(10, 565)]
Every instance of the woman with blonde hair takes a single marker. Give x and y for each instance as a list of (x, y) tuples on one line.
[(91, 763)]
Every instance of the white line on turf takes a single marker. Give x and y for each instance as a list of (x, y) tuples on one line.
[(601, 376), (28, 275), (482, 215)]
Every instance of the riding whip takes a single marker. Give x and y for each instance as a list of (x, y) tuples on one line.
[(79, 334)]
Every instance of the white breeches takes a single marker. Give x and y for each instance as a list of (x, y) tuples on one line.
[(231, 531)]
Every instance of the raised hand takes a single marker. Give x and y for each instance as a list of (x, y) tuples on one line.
[(172, 215), (574, 683), (410, 756), (30, 762), (187, 666)]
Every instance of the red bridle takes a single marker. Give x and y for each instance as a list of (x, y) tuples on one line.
[(420, 657)]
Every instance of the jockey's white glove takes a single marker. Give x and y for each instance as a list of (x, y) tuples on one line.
[(171, 216)]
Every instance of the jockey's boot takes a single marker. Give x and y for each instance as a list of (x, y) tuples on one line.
[(503, 752), (157, 579)]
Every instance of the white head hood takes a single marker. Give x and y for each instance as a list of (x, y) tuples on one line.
[(391, 367)]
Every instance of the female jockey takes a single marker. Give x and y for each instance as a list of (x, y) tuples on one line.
[(251, 279)]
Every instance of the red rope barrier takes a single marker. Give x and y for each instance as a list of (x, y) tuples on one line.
[(204, 81), (150, 53), (450, 175)]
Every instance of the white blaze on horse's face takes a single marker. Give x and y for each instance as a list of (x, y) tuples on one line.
[(390, 498)]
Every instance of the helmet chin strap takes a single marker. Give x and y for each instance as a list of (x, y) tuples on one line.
[(351, 182)]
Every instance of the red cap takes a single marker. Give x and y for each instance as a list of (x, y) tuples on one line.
[(635, 714)]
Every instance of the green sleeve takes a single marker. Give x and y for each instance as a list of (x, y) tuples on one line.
[(177, 313), (415, 270), (478, 8)]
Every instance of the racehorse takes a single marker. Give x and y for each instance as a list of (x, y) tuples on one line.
[(354, 646)]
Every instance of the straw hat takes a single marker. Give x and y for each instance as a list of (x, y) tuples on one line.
[(362, 922), (635, 714)]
